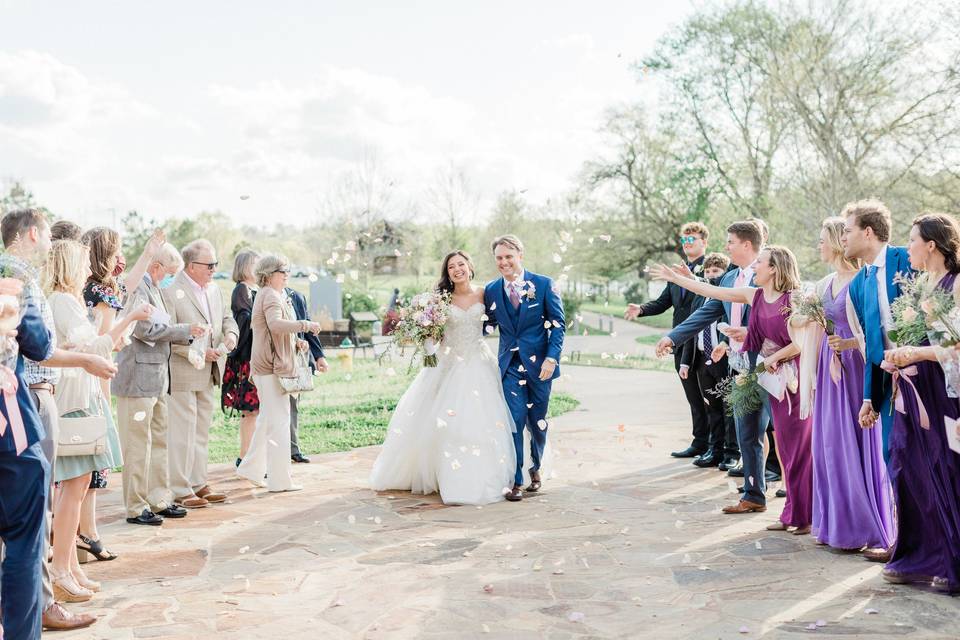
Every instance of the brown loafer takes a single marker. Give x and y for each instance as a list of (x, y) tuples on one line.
[(745, 506), (191, 502), (878, 555), (210, 495), (777, 526), (535, 483), (56, 618), (515, 494)]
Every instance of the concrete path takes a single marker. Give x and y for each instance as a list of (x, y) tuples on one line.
[(623, 339), (624, 542)]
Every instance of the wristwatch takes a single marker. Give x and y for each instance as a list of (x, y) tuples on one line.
[(553, 360)]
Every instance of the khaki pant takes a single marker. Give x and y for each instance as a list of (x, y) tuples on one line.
[(269, 450), (146, 476), (188, 429)]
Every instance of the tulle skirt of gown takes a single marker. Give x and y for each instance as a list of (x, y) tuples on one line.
[(451, 432)]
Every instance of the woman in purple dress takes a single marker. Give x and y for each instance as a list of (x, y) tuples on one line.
[(924, 470), (776, 276), (852, 506)]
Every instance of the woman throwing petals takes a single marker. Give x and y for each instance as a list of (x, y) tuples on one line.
[(776, 277)]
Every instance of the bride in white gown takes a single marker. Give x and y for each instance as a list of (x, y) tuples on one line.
[(451, 431)]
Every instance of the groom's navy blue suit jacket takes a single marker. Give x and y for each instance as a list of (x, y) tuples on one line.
[(525, 330)]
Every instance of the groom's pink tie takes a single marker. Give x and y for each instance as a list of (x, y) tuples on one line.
[(514, 296)]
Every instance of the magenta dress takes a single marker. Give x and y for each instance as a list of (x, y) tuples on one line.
[(925, 474), (766, 334), (852, 500)]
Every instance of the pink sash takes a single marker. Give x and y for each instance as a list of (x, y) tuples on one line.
[(906, 374)]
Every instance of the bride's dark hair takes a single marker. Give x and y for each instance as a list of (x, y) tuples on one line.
[(445, 285)]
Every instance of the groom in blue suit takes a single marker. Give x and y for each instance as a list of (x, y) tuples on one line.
[(872, 292), (529, 313)]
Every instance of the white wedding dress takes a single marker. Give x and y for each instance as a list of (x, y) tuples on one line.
[(452, 431)]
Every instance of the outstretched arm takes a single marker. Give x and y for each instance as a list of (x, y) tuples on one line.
[(743, 295)]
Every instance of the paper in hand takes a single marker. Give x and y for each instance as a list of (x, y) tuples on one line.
[(953, 433)]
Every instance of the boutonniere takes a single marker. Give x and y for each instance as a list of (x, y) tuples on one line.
[(698, 269), (530, 292)]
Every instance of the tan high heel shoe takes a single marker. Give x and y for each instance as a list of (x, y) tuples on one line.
[(66, 589), (84, 581)]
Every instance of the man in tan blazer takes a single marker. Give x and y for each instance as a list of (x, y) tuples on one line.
[(191, 299)]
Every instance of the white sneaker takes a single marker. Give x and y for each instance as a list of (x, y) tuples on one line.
[(293, 487)]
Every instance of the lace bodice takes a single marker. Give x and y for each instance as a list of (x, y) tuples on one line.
[(463, 335)]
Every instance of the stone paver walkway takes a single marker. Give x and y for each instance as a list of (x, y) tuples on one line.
[(623, 543)]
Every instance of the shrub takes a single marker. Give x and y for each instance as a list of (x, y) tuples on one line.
[(636, 292), (571, 306)]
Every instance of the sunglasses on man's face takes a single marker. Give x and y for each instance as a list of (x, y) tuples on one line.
[(209, 265), (688, 239)]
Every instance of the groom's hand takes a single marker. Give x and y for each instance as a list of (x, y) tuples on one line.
[(547, 369)]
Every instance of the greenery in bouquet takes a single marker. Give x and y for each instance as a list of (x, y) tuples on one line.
[(742, 393), (923, 311), (808, 306), (422, 323)]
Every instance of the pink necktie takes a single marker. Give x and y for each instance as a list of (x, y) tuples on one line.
[(514, 297)]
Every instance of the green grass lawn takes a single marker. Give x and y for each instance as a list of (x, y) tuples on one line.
[(650, 340), (345, 410), (629, 362)]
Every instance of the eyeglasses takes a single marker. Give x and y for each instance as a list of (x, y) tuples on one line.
[(209, 265), (688, 239)]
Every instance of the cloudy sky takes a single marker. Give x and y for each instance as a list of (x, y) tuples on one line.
[(178, 107)]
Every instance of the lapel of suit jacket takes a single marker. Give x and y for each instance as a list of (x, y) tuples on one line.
[(187, 285), (504, 301), (524, 301)]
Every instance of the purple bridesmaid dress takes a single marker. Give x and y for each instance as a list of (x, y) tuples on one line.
[(925, 474), (852, 501)]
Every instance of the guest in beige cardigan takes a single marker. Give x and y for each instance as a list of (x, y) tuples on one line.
[(193, 298), (274, 343)]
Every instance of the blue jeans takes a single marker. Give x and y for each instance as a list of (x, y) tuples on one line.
[(23, 502), (751, 431)]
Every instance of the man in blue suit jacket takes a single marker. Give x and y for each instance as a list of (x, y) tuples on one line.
[(317, 362), (24, 478), (744, 242), (872, 292), (529, 312)]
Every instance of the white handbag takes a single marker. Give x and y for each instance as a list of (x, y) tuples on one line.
[(83, 436), (303, 381)]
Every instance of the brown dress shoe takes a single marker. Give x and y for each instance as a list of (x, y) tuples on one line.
[(878, 555), (745, 506), (210, 495), (515, 494), (191, 502), (56, 618), (898, 577), (535, 483)]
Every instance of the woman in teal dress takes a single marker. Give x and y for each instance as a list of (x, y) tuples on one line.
[(78, 394)]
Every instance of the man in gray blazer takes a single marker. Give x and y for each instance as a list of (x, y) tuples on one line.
[(141, 386)]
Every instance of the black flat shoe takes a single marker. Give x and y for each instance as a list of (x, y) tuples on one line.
[(705, 461), (173, 511), (237, 463), (728, 463), (302, 459), (689, 452), (146, 517), (781, 493)]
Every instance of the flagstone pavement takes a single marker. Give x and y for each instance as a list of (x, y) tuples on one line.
[(624, 542)]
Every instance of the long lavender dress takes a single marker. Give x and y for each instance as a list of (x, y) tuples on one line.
[(926, 478), (768, 324), (852, 505)]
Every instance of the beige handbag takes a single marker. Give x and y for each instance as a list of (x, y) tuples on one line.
[(303, 381), (83, 436)]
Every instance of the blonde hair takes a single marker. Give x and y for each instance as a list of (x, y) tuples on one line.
[(695, 227), (168, 256), (244, 264), (66, 269), (269, 265), (834, 227), (787, 276)]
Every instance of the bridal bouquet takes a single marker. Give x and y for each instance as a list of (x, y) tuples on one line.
[(422, 323), (924, 311)]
